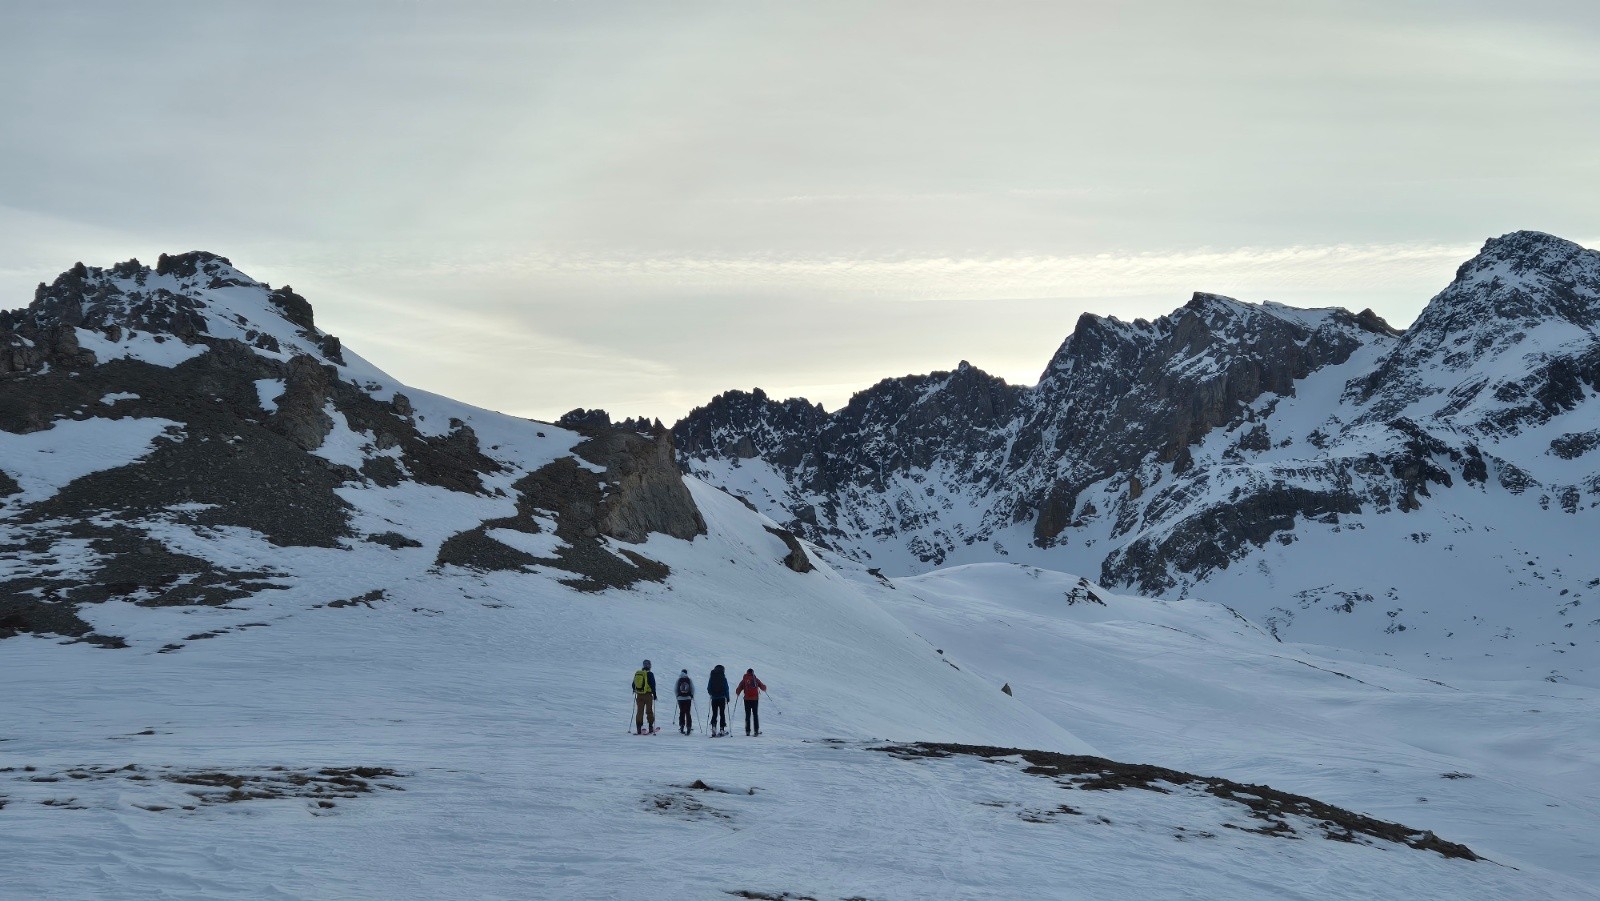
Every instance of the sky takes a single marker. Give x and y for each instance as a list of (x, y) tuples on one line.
[(537, 206)]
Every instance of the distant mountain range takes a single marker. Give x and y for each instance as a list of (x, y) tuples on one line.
[(1328, 474), (1429, 492)]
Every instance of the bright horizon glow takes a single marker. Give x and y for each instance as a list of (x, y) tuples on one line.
[(535, 207)]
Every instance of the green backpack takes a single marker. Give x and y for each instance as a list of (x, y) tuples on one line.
[(641, 682)]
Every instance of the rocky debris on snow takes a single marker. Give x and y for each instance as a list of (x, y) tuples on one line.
[(1084, 593), (684, 805), (159, 789), (364, 600), (1273, 812), (124, 564)]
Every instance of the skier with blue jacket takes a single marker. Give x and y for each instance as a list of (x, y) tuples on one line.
[(717, 691), (685, 692)]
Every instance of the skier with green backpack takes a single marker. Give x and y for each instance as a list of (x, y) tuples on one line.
[(644, 699)]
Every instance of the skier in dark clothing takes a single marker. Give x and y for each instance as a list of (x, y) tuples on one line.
[(644, 698), (685, 703), (751, 688), (717, 691)]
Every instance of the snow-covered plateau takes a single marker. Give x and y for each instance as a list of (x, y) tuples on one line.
[(274, 625)]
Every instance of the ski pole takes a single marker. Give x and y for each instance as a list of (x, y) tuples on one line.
[(769, 701)]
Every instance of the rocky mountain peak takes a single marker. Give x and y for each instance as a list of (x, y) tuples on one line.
[(1525, 251), (90, 314), (1529, 299), (1523, 276)]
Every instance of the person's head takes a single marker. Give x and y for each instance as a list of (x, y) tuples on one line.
[(717, 668), (684, 672), (750, 672), (647, 664)]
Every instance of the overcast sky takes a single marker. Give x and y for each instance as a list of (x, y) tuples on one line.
[(536, 206)]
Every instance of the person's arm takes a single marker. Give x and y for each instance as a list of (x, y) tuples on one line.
[(652, 677)]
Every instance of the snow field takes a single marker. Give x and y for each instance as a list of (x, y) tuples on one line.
[(1505, 767), (503, 700)]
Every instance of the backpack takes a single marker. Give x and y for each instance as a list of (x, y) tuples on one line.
[(641, 682), (685, 687)]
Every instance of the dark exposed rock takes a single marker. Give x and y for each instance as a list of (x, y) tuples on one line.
[(23, 613), (364, 600), (1218, 535), (796, 559), (382, 471), (597, 419), (295, 308), (394, 540), (474, 549), (646, 493), (641, 491), (301, 415), (1567, 447), (220, 454)]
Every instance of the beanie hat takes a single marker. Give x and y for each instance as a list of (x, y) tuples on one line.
[(647, 664)]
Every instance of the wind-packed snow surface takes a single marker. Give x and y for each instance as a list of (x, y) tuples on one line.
[(396, 664)]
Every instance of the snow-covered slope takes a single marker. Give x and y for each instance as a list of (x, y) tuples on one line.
[(1430, 494), (1505, 763), (274, 624)]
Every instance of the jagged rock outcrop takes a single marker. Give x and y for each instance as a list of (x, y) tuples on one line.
[(645, 490)]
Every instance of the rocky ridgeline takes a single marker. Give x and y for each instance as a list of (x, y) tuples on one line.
[(1162, 440), (249, 391)]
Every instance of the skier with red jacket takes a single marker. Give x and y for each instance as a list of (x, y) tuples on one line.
[(750, 688)]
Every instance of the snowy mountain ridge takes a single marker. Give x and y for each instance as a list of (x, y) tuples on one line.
[(276, 623), (1313, 468)]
